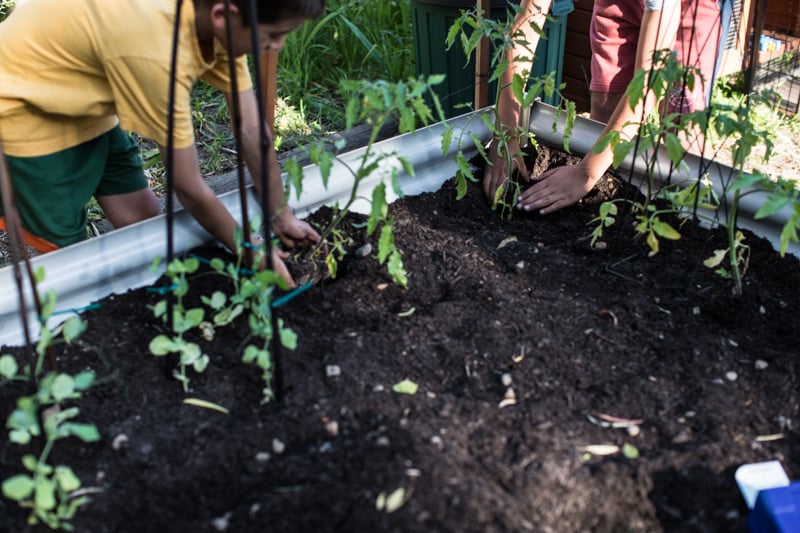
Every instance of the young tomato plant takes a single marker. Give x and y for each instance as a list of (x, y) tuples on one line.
[(375, 103), (471, 28), (735, 121)]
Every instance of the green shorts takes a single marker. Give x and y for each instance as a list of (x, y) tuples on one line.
[(51, 191)]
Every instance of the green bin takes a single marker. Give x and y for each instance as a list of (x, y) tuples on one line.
[(432, 20)]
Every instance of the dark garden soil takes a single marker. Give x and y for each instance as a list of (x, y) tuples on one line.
[(710, 380)]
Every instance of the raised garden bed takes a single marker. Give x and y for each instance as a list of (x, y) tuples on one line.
[(710, 382)]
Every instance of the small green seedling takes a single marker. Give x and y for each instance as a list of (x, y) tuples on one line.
[(51, 492), (190, 355)]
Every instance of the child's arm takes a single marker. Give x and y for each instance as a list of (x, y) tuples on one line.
[(563, 186), (202, 203), (289, 229), (533, 14)]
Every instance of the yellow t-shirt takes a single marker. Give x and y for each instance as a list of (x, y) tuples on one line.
[(71, 69)]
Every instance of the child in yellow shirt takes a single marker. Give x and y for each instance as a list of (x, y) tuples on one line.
[(75, 75)]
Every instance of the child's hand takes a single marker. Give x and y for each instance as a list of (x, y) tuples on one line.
[(294, 232), (279, 266)]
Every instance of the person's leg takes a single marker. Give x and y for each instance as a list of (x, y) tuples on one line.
[(51, 191), (613, 36), (603, 104), (697, 46), (123, 193)]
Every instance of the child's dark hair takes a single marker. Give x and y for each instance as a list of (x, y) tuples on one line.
[(273, 11)]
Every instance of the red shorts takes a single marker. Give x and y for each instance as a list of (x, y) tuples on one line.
[(614, 33)]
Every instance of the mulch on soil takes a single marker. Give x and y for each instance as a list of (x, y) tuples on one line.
[(579, 332)]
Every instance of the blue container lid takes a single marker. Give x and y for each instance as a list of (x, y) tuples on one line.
[(776, 510)]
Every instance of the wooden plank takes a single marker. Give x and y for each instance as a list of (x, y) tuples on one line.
[(577, 45), (269, 73), (482, 63)]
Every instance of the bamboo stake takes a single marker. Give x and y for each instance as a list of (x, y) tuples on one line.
[(269, 69)]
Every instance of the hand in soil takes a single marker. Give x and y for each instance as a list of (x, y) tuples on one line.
[(556, 189), (294, 232), (496, 174)]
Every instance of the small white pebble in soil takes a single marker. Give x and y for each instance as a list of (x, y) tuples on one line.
[(262, 457), (760, 364), (437, 441), (430, 395), (733, 342), (278, 446), (332, 428), (383, 441), (506, 379), (333, 371), (762, 310), (733, 514), (682, 438), (119, 442), (520, 265), (413, 472), (717, 381), (364, 251), (378, 388), (696, 310), (254, 509), (221, 523), (731, 376), (633, 431), (600, 245)]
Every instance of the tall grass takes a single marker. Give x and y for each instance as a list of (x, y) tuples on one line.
[(361, 39)]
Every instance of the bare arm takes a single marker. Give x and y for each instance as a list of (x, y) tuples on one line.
[(197, 198), (519, 57), (658, 31), (202, 203), (564, 186), (291, 231)]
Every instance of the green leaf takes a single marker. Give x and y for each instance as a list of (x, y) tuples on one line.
[(774, 203), (19, 436), (716, 259), (386, 242), (674, 148), (405, 387), (45, 494), (30, 462), (395, 268), (250, 353), (379, 208), (288, 338), (200, 363), (73, 327), (18, 488), (161, 345), (663, 229), (217, 300), (67, 479), (48, 303), (84, 380), (630, 451), (85, 432), (8, 366), (63, 387)]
